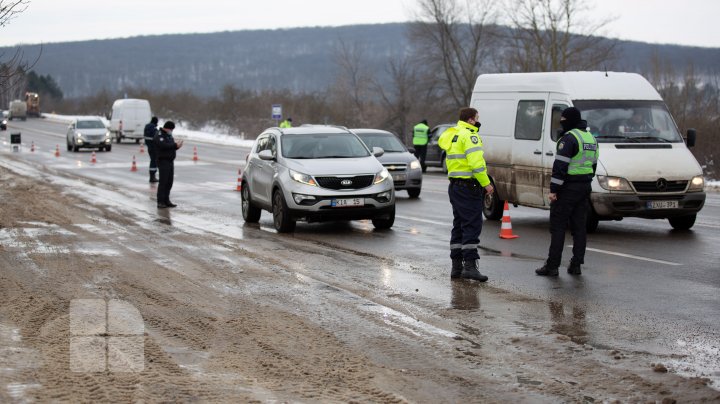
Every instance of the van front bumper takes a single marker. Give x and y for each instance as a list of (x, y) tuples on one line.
[(616, 206)]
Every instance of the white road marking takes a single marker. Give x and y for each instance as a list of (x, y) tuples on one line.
[(636, 257), (422, 220)]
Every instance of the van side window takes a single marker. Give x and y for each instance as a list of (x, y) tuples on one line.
[(529, 120), (557, 110)]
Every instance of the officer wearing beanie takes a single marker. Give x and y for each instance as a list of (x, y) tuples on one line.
[(573, 170), (166, 150), (150, 131)]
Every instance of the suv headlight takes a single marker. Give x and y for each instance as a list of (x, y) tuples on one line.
[(614, 183), (381, 176), (303, 178), (414, 165), (697, 184)]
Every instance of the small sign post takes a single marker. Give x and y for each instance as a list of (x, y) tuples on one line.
[(277, 113)]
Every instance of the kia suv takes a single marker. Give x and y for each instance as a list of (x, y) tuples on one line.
[(315, 173)]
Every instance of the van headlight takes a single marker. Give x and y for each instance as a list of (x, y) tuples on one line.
[(381, 176), (415, 165), (303, 178), (614, 183), (697, 184)]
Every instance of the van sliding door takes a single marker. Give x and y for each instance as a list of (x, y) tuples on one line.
[(527, 150)]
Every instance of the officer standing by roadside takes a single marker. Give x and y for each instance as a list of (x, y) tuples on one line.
[(468, 176), (572, 174), (420, 141), (166, 150), (150, 132)]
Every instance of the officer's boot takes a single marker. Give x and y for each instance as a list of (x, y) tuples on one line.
[(547, 270), (574, 268), (152, 177), (470, 271), (457, 267)]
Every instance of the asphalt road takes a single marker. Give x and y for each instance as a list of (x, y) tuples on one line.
[(644, 287)]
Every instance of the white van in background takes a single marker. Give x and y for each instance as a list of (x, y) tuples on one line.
[(644, 170), (128, 119)]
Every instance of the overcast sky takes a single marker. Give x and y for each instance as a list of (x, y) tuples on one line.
[(686, 22)]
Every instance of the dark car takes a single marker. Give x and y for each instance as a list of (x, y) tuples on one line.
[(435, 155)]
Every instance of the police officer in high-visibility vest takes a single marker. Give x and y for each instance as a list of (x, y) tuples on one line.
[(286, 123), (420, 141), (573, 170), (468, 177)]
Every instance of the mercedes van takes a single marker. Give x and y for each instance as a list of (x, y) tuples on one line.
[(128, 119), (645, 168)]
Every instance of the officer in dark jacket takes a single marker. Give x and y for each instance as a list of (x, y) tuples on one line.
[(150, 132), (166, 149), (572, 174)]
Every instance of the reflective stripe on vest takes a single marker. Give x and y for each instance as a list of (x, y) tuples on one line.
[(582, 162)]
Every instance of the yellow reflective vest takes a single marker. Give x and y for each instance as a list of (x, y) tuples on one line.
[(420, 134), (285, 124), (464, 153)]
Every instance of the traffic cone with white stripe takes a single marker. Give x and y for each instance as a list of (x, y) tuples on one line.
[(32, 147), (506, 226), (93, 160), (57, 150), (239, 182), (142, 148), (134, 166), (195, 157)]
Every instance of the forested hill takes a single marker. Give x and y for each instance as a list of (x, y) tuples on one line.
[(299, 59)]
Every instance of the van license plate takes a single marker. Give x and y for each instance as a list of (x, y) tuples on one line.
[(346, 203), (662, 205)]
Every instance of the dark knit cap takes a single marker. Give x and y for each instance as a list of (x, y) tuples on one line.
[(169, 125), (572, 115)]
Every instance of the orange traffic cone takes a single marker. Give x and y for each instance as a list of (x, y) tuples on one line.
[(93, 160), (142, 148), (506, 226), (195, 157), (134, 166), (239, 182), (57, 150), (32, 147)]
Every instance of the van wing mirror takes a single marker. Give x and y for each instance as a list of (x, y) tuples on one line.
[(691, 137)]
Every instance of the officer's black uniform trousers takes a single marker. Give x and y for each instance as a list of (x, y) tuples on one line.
[(466, 200), (572, 206), (165, 183), (152, 153)]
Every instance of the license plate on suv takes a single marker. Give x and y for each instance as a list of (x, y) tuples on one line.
[(662, 204), (347, 203)]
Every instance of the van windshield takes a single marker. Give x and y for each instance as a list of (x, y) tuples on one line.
[(322, 146), (622, 121)]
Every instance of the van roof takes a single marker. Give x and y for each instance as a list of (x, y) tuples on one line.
[(577, 85), (130, 101)]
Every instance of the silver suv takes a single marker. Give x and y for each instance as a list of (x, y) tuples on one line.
[(316, 173)]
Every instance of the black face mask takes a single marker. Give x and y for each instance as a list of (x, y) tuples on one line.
[(477, 125)]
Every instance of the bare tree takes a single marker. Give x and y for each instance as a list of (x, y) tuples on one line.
[(554, 35), (352, 85), (455, 40), (12, 70)]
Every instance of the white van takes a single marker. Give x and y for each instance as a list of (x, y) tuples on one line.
[(17, 110), (128, 119), (647, 172)]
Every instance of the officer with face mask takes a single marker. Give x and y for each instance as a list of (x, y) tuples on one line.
[(166, 150), (573, 171)]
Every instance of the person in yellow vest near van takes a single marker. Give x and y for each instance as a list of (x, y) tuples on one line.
[(572, 173), (420, 141), (286, 123), (468, 176)]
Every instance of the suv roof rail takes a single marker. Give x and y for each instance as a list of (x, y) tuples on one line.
[(319, 124)]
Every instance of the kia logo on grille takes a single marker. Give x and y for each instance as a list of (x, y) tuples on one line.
[(346, 182), (661, 184)]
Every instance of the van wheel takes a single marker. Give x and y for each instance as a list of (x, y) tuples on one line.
[(413, 192), (492, 205), (386, 222), (682, 222), (137, 141), (281, 216), (444, 163), (250, 212), (592, 221)]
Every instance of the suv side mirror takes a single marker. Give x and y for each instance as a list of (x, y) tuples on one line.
[(378, 151), (266, 155), (691, 136)]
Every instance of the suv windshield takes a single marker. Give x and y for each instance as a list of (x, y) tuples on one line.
[(621, 121), (322, 146), (386, 141), (90, 125)]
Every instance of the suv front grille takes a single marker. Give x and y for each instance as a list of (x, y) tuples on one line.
[(356, 182), (660, 186)]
